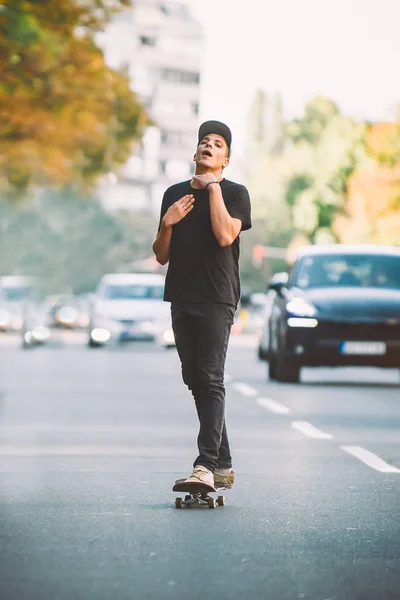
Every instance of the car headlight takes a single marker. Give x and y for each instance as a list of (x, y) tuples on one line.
[(300, 308), (306, 322), (168, 336), (41, 334), (100, 335), (66, 315)]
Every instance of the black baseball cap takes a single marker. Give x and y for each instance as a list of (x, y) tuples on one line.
[(218, 128)]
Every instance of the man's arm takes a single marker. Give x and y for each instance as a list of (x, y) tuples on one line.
[(162, 243), (225, 228), (175, 213)]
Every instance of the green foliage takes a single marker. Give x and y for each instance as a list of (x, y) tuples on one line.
[(295, 186), (302, 187), (317, 115)]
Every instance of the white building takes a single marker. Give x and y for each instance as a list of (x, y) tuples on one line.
[(160, 44)]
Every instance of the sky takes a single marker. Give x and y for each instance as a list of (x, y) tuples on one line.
[(347, 50)]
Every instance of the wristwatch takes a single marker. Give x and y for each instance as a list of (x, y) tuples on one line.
[(209, 183)]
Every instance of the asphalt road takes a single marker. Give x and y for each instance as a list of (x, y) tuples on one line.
[(92, 440)]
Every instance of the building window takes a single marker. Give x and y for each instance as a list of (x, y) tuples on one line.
[(180, 76), (195, 108)]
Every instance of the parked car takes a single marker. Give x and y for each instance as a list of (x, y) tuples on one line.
[(339, 306), (127, 306), (19, 296)]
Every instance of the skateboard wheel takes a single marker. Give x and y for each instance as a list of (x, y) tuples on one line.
[(221, 500), (212, 503), (187, 497), (178, 502)]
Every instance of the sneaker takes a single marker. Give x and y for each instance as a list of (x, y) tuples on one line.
[(200, 476), (225, 480)]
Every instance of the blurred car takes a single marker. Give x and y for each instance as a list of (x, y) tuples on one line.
[(35, 330), (18, 296), (339, 306), (67, 311), (263, 344), (127, 306), (166, 336)]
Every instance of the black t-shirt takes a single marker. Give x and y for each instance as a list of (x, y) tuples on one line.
[(199, 269)]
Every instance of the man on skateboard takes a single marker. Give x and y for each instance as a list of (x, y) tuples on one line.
[(198, 235)]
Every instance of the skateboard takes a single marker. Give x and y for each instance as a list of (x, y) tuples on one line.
[(197, 495)]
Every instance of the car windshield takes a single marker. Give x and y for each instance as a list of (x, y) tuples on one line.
[(134, 291), (348, 270), (16, 293)]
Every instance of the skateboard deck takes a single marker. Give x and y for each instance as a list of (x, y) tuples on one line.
[(197, 494), (192, 488)]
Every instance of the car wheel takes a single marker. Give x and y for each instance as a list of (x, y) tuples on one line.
[(93, 344), (287, 369), (262, 354)]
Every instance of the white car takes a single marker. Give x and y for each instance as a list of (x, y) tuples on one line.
[(18, 298), (128, 306)]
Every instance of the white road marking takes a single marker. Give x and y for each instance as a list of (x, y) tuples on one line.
[(273, 406), (310, 430), (244, 389), (370, 459)]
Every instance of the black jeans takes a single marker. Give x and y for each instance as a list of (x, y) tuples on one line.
[(201, 333)]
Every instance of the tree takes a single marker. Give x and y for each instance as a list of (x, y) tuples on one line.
[(65, 117), (317, 190), (297, 171), (317, 115), (372, 212)]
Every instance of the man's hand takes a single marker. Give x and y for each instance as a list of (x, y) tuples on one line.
[(178, 210), (199, 181)]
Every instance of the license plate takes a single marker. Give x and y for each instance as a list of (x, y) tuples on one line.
[(373, 348)]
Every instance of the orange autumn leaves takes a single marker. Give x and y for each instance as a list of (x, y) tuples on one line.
[(65, 117), (372, 210)]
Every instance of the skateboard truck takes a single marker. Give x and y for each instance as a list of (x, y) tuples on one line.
[(197, 495), (199, 499)]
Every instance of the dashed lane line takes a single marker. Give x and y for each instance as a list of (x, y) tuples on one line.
[(273, 406), (244, 388), (370, 459), (367, 457), (308, 429)]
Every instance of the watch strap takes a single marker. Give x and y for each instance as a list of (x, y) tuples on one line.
[(209, 183)]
